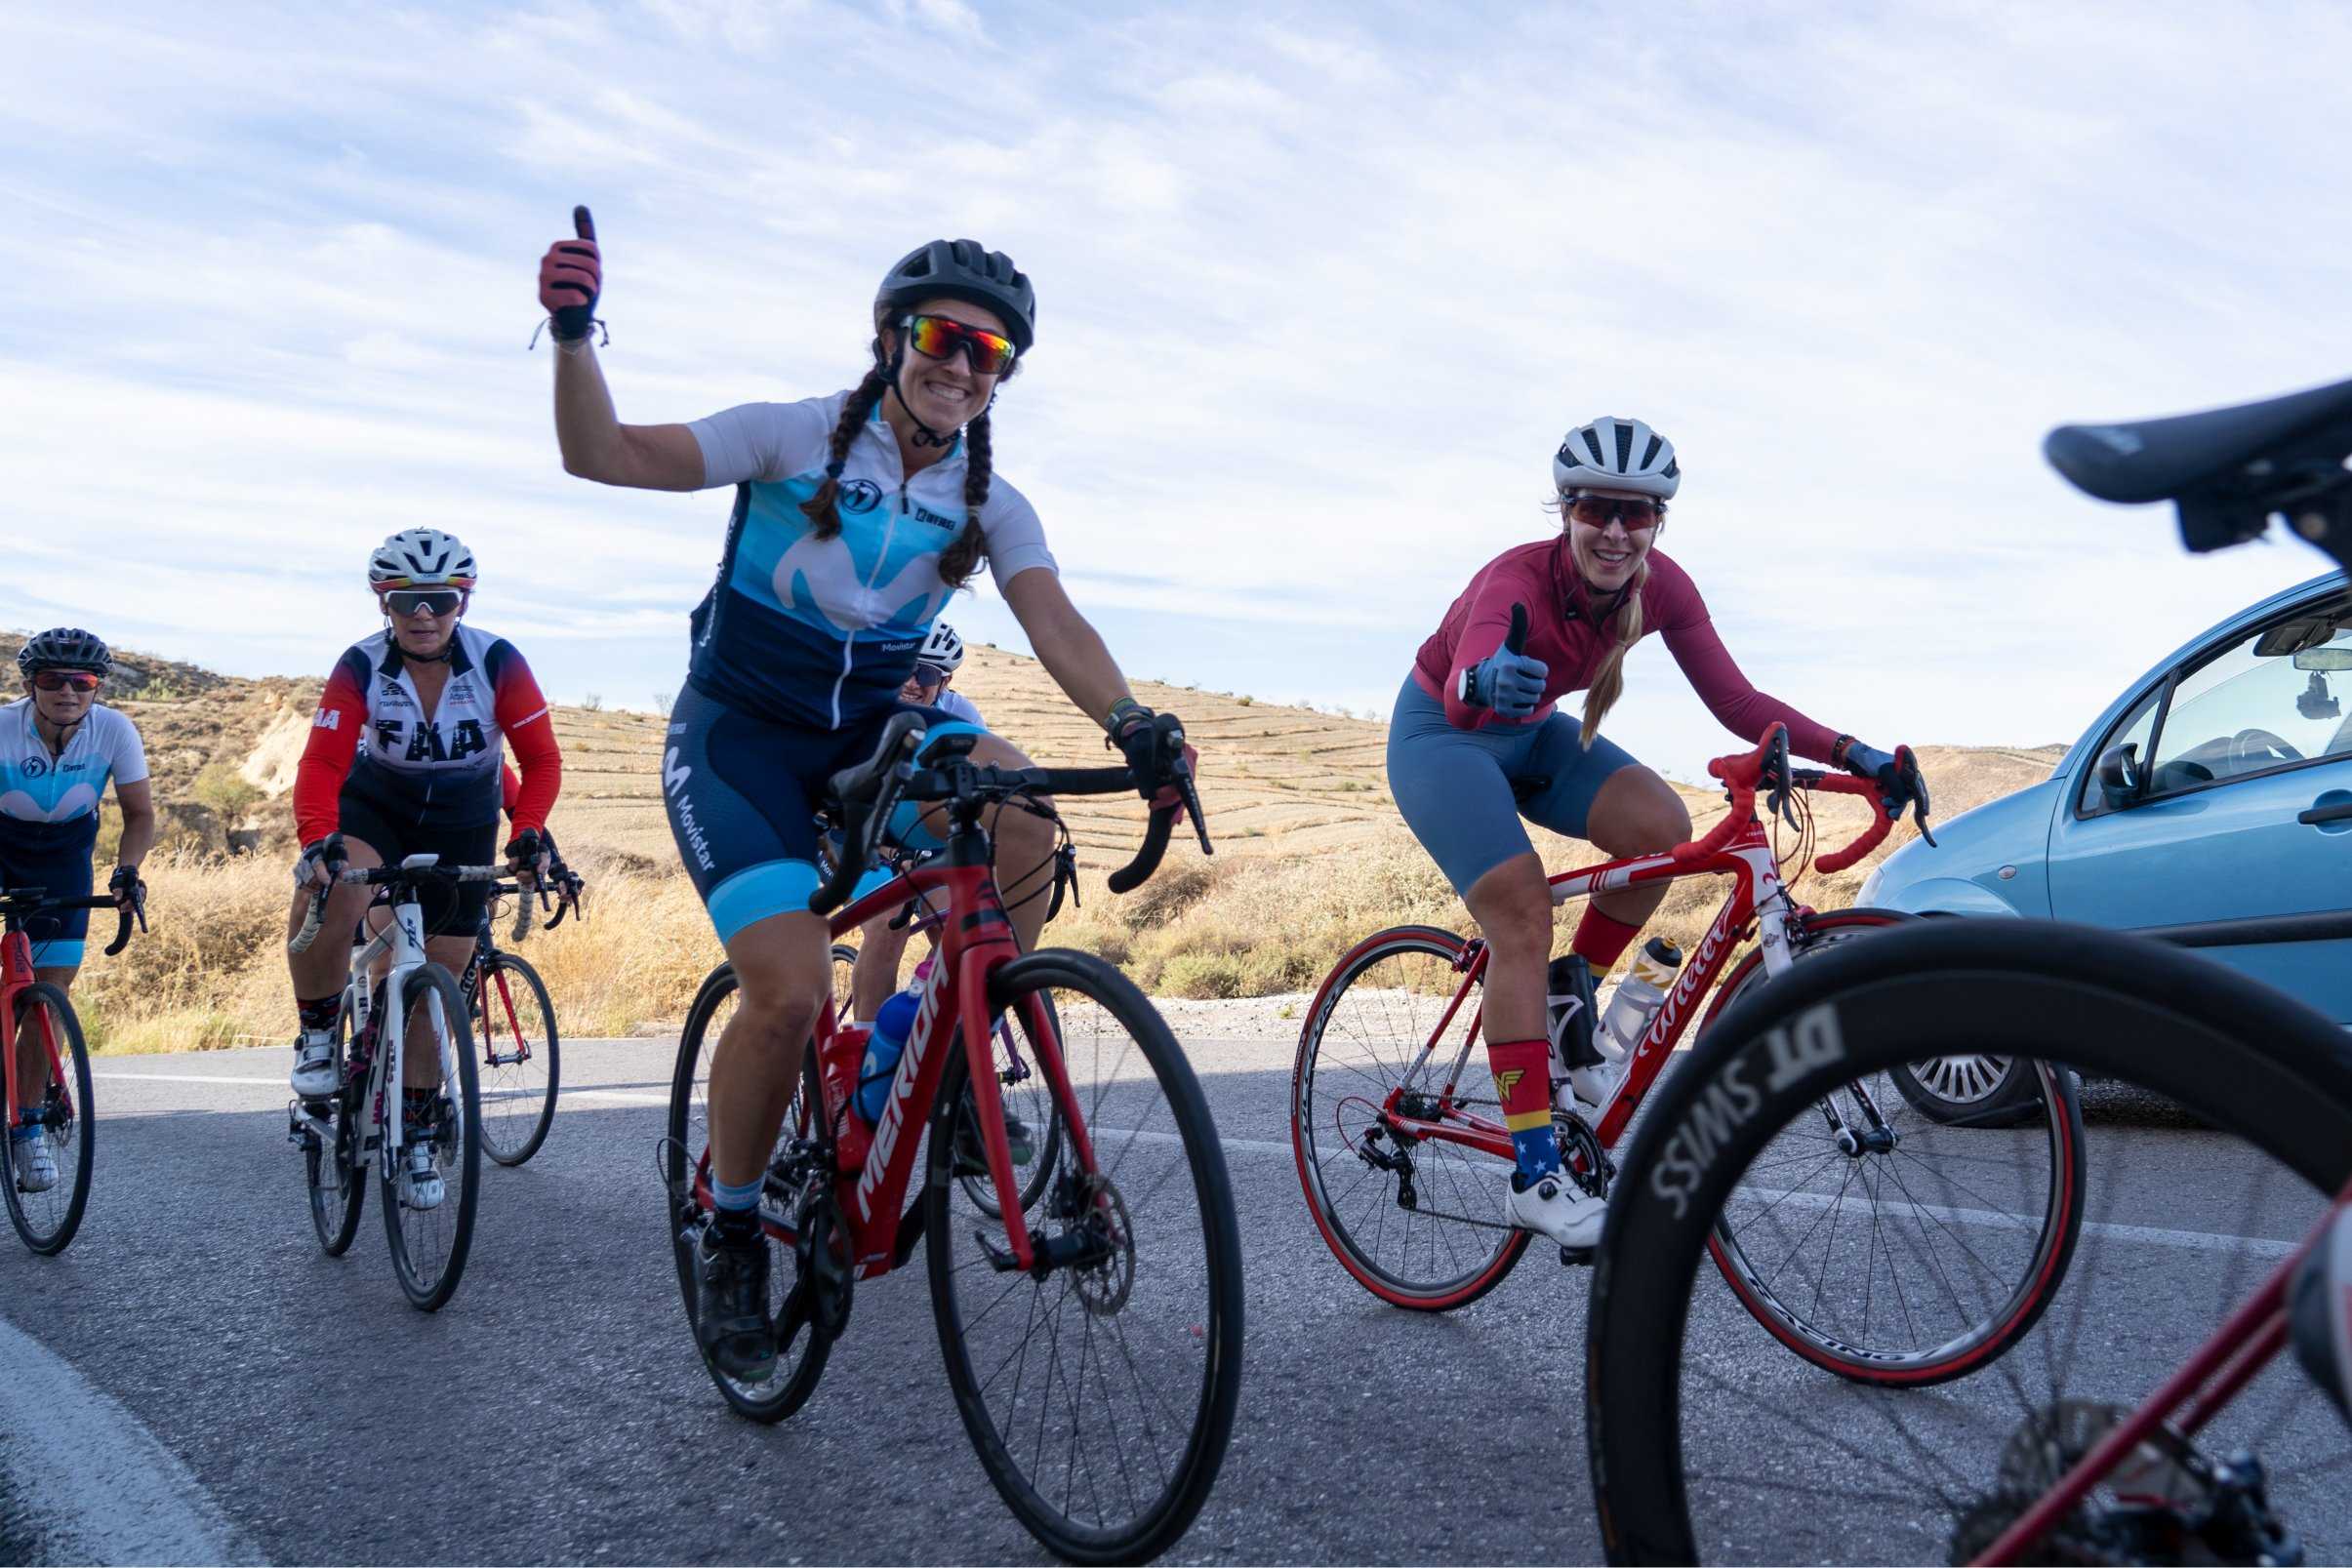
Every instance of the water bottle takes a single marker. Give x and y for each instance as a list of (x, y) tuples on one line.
[(883, 1048), (1569, 1004), (1639, 997)]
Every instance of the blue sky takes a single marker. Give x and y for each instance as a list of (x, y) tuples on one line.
[(1320, 287)]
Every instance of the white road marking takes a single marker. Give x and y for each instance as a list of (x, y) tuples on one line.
[(2148, 1235), (104, 1488)]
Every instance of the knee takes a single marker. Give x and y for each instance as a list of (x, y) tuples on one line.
[(1516, 913), (776, 1014), (1023, 837), (1642, 819)]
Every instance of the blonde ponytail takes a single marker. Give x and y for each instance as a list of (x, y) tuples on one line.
[(1608, 682)]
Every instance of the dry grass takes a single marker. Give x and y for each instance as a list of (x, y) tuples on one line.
[(1311, 857)]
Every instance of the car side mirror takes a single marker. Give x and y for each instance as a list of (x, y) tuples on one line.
[(2121, 776)]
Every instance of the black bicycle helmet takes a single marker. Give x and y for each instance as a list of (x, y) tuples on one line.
[(64, 648), (962, 269)]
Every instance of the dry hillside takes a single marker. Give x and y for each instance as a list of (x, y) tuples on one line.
[(1310, 853)]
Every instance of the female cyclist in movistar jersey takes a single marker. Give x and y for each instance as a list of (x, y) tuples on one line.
[(1473, 720), (856, 518), (59, 745), (405, 758)]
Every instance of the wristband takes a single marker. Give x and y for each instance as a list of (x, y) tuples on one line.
[(1120, 712)]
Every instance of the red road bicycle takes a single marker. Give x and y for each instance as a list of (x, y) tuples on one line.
[(1402, 1150), (40, 1015), (1092, 1331)]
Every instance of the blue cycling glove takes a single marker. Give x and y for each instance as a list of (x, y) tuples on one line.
[(1511, 684)]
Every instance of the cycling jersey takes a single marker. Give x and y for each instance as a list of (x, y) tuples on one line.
[(1573, 634), (955, 704), (51, 802), (371, 740), (824, 632)]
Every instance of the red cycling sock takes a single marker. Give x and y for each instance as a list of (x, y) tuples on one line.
[(1600, 941), (1522, 1081)]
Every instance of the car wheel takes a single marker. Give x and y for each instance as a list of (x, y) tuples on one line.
[(1983, 1091)]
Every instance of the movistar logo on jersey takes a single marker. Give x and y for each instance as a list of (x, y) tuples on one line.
[(859, 495)]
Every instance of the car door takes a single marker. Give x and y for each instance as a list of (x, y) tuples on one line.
[(2234, 748)]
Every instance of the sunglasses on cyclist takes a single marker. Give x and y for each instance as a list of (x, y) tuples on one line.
[(433, 601), (927, 676), (1597, 511), (988, 353), (61, 680)]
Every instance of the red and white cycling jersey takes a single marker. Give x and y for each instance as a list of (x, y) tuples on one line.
[(372, 738)]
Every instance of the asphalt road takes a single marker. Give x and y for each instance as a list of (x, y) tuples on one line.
[(555, 1411)]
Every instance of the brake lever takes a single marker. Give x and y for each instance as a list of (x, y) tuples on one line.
[(1191, 804)]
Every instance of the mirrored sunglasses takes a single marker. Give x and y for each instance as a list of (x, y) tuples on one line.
[(927, 676), (433, 601), (61, 680), (988, 353), (1598, 512)]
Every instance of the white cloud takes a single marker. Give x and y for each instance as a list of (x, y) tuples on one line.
[(1319, 296)]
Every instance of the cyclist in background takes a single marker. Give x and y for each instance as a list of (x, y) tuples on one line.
[(881, 944), (59, 745), (1476, 743), (404, 758), (856, 518)]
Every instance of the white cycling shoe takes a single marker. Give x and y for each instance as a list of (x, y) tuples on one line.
[(314, 1066), (1587, 1090), (36, 1162), (420, 1185), (1554, 1206)]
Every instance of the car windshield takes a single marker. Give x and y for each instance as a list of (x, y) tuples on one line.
[(2251, 708)]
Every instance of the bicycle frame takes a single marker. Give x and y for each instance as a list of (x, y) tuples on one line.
[(1759, 900), (976, 941), (485, 948), (403, 939)]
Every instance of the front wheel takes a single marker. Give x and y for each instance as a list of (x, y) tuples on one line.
[(516, 1023), (1853, 1237), (45, 1208), (1099, 1390), (429, 1244)]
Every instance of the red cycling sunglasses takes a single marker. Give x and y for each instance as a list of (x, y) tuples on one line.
[(58, 680), (988, 353)]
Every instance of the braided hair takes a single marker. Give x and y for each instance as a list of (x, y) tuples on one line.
[(961, 559), (823, 510)]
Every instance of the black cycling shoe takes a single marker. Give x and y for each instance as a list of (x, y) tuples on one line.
[(972, 1156), (731, 1321)]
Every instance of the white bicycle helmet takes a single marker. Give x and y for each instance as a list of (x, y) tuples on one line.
[(421, 558), (941, 648), (1613, 454)]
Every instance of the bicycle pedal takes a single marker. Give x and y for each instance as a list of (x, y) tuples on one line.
[(1576, 1256)]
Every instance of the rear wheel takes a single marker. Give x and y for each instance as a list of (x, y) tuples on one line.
[(802, 1344), (58, 1102), (515, 1023), (1026, 1098), (429, 1245), (1099, 1390), (2185, 1224), (1418, 1223)]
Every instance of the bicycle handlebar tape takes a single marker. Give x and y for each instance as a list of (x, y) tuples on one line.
[(1137, 872)]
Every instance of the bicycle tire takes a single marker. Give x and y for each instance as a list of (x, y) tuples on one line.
[(2254, 1062), (845, 969), (1212, 1325), (510, 1141), (335, 1210), (1366, 1260), (1959, 1347), (429, 1283), (52, 1229), (777, 1396)]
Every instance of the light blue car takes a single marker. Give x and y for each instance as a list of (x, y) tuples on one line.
[(2212, 800)]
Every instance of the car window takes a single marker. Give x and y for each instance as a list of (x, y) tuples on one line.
[(2251, 709), (2133, 732)]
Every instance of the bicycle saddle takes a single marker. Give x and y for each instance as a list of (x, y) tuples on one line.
[(2161, 460)]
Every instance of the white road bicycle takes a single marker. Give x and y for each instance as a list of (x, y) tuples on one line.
[(363, 1124)]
